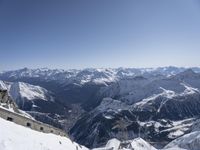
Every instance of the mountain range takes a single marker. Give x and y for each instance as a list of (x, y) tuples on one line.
[(96, 105)]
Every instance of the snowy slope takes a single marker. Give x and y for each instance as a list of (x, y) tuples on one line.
[(167, 95), (189, 141), (111, 144), (140, 144), (3, 85), (135, 144), (28, 91), (24, 90), (16, 137)]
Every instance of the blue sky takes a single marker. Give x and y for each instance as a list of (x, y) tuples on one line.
[(99, 33)]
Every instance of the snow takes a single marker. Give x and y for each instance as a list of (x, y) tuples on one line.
[(111, 104), (101, 74), (28, 91), (175, 134), (140, 144), (136, 144), (174, 148), (13, 136), (11, 109), (3, 86), (113, 143), (166, 93), (189, 90), (189, 141), (108, 116), (179, 128), (103, 80), (31, 92), (24, 91)]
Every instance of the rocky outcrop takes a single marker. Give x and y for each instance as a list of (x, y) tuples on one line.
[(7, 102)]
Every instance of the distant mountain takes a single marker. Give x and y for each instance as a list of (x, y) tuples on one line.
[(98, 76), (156, 110), (82, 86)]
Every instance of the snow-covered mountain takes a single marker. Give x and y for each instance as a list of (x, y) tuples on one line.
[(136, 144), (99, 75), (135, 89), (159, 110), (25, 91), (140, 144), (157, 104), (83, 86), (189, 141), (37, 101)]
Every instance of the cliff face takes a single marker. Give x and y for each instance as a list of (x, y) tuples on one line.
[(7, 102)]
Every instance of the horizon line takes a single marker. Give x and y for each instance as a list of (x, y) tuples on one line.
[(85, 68)]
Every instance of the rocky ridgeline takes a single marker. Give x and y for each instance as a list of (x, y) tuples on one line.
[(7, 102)]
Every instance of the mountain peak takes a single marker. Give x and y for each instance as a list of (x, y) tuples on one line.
[(189, 73), (28, 91)]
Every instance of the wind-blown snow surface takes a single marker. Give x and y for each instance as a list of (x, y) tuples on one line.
[(16, 137)]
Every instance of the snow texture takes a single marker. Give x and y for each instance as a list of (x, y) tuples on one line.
[(16, 137)]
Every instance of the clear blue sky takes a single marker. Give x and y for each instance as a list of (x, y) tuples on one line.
[(99, 33)]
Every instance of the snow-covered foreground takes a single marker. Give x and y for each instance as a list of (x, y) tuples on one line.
[(16, 137)]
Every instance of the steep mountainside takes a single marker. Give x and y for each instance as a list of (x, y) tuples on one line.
[(189, 141), (167, 110)]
